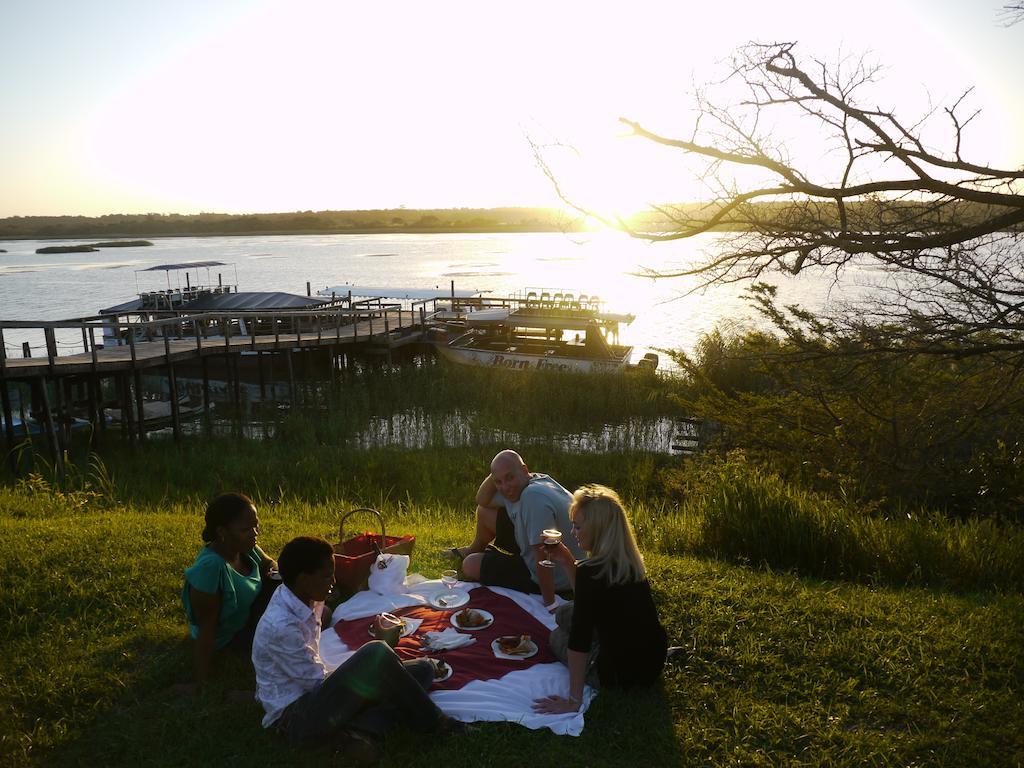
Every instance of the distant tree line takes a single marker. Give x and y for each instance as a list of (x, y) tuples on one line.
[(661, 219), (368, 221)]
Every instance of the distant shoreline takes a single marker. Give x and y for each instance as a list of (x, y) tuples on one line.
[(77, 235), (372, 222)]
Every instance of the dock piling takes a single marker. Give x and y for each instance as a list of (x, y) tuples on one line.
[(5, 403), (140, 404), (50, 430), (291, 376)]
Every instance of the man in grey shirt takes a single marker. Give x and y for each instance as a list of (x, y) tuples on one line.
[(514, 507)]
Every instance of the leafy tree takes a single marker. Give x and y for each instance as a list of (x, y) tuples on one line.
[(892, 431)]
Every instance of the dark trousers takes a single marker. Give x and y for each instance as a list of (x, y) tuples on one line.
[(371, 692)]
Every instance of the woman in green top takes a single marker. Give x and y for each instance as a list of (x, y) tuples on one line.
[(227, 587)]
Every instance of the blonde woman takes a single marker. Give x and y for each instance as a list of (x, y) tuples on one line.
[(610, 635)]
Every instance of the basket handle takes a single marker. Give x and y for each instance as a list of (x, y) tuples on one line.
[(347, 515)]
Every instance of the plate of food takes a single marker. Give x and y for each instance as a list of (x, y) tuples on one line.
[(446, 601), (472, 619), (514, 647), (442, 669)]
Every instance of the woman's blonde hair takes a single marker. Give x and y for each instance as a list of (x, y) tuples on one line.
[(613, 545)]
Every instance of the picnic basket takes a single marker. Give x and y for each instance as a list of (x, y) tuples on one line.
[(354, 557)]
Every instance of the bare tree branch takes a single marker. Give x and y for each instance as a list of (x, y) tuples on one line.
[(948, 230)]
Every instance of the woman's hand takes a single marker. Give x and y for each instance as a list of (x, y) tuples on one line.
[(555, 705), (561, 554)]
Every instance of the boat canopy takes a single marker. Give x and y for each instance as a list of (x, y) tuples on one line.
[(216, 302), (183, 265)]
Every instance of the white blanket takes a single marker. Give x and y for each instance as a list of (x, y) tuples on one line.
[(509, 698)]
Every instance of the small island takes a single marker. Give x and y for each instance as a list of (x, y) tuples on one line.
[(88, 248), (66, 249), (122, 244)]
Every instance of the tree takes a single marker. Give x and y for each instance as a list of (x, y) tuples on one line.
[(914, 398), (1011, 13), (946, 230)]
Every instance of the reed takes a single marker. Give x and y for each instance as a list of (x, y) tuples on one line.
[(748, 514)]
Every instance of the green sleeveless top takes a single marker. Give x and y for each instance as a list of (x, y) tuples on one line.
[(211, 573)]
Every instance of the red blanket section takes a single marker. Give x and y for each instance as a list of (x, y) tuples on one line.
[(470, 662)]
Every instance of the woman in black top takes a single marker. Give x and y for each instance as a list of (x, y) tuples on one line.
[(610, 634)]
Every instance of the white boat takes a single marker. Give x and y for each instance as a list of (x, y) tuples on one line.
[(534, 335)]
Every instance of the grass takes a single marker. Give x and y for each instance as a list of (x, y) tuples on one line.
[(815, 633), (777, 669)]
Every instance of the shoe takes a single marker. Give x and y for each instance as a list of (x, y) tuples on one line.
[(674, 654), (456, 552), (356, 748)]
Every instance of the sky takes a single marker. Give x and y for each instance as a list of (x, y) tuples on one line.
[(136, 106)]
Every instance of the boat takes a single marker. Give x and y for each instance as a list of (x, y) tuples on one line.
[(199, 297), (535, 333)]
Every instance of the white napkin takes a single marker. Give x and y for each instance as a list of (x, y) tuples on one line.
[(448, 639), (388, 580)]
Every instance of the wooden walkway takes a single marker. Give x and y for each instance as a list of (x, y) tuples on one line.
[(167, 344), (119, 349)]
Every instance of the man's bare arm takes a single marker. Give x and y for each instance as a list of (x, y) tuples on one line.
[(486, 492)]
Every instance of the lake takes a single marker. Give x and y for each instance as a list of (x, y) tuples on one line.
[(55, 287)]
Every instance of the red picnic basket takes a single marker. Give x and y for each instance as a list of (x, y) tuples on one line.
[(354, 558)]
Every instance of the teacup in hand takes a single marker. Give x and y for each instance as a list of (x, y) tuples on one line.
[(387, 627)]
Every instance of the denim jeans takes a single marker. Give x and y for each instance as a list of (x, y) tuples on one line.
[(371, 692)]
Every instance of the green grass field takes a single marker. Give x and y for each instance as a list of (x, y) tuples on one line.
[(778, 669), (815, 632)]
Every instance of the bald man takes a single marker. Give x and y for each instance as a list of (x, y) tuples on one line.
[(513, 507)]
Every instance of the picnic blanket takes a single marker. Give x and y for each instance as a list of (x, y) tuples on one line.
[(471, 662), (491, 696)]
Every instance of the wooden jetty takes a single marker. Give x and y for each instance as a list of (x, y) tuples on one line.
[(120, 348)]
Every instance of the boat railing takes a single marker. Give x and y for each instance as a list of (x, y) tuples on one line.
[(170, 298), (549, 300)]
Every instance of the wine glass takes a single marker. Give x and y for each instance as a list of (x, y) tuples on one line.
[(449, 578), (551, 537)]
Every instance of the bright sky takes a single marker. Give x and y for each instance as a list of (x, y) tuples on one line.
[(275, 105)]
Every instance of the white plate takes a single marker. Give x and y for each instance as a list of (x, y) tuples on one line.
[(443, 677), (513, 657), (449, 600), (408, 627), (486, 614)]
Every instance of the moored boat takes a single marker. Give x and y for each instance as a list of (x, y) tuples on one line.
[(538, 335)]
